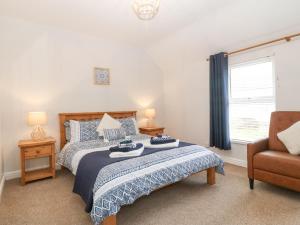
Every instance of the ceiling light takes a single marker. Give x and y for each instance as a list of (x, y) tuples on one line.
[(145, 9)]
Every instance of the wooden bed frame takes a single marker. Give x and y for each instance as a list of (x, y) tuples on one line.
[(63, 117)]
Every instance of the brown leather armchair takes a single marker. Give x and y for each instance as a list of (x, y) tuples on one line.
[(269, 160)]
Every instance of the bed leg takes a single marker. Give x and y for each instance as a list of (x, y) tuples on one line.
[(111, 220), (211, 176)]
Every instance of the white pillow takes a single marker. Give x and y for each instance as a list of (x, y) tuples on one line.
[(136, 126), (75, 131), (107, 122), (291, 138)]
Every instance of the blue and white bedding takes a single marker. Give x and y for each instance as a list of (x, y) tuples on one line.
[(106, 184)]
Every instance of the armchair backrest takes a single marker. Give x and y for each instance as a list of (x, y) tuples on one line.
[(280, 121)]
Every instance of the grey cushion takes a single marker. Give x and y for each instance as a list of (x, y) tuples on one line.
[(114, 134)]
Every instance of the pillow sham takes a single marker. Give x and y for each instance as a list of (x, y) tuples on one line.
[(83, 130), (129, 125), (114, 134), (107, 122), (290, 138), (68, 131)]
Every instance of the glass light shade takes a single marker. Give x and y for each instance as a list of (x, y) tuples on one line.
[(145, 9), (37, 118), (150, 113)]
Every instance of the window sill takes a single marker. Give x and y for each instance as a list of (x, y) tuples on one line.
[(240, 142)]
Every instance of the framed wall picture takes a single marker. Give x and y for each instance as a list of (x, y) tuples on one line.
[(102, 76)]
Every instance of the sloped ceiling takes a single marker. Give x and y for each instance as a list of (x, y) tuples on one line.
[(193, 28), (112, 19), (234, 26)]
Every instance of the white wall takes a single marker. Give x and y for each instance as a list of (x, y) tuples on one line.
[(1, 149), (1, 140), (48, 69), (186, 88), (1, 152)]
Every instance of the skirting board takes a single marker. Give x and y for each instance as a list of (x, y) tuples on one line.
[(17, 174), (228, 159), (234, 161), (1, 186)]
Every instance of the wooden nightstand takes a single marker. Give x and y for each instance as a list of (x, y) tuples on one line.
[(30, 149), (152, 131)]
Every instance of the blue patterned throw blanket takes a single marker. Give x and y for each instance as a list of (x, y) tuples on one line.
[(106, 184)]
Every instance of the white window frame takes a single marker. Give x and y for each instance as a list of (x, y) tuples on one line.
[(255, 99)]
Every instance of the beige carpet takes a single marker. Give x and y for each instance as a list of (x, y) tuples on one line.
[(190, 202)]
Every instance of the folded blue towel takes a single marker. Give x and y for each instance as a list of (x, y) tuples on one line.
[(158, 140), (125, 142), (126, 149)]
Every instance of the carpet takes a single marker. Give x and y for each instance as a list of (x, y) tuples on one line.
[(190, 202)]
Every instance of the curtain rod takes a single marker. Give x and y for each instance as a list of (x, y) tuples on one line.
[(286, 38)]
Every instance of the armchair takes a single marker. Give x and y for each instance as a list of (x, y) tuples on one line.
[(269, 160)]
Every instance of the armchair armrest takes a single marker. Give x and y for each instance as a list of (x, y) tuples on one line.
[(252, 149)]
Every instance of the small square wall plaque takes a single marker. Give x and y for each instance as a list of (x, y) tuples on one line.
[(102, 76)]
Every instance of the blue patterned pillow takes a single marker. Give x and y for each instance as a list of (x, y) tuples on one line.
[(129, 125), (114, 134), (83, 130)]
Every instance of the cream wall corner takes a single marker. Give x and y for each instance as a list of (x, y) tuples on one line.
[(49, 69)]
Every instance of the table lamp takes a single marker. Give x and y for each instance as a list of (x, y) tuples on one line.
[(150, 115), (37, 119)]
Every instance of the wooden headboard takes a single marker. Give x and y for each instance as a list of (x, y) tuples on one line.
[(63, 117)]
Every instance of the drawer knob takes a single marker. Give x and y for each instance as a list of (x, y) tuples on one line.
[(38, 151)]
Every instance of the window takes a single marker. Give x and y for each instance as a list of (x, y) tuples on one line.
[(252, 99)]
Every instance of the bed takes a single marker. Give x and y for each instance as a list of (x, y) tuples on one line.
[(105, 184)]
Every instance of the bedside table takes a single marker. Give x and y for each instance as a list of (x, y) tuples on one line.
[(152, 131), (30, 149)]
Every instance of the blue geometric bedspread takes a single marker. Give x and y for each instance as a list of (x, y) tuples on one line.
[(124, 181), (90, 165)]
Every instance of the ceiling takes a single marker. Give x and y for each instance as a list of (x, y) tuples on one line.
[(112, 18), (237, 25), (198, 27)]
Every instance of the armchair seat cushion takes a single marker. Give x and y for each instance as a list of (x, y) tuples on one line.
[(278, 162)]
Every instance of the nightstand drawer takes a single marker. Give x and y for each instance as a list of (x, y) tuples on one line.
[(39, 151), (154, 133)]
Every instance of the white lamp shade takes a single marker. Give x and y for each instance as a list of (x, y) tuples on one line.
[(37, 118), (150, 113)]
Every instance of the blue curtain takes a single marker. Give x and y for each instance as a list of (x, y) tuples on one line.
[(219, 103)]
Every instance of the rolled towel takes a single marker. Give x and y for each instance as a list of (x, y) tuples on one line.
[(162, 140), (132, 153), (126, 142), (167, 145), (128, 148)]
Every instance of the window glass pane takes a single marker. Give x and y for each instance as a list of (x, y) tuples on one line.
[(252, 80), (250, 122), (251, 100)]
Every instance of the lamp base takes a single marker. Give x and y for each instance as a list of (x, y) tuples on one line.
[(151, 123), (38, 133)]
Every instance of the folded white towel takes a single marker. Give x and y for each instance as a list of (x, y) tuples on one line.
[(167, 145), (134, 153)]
